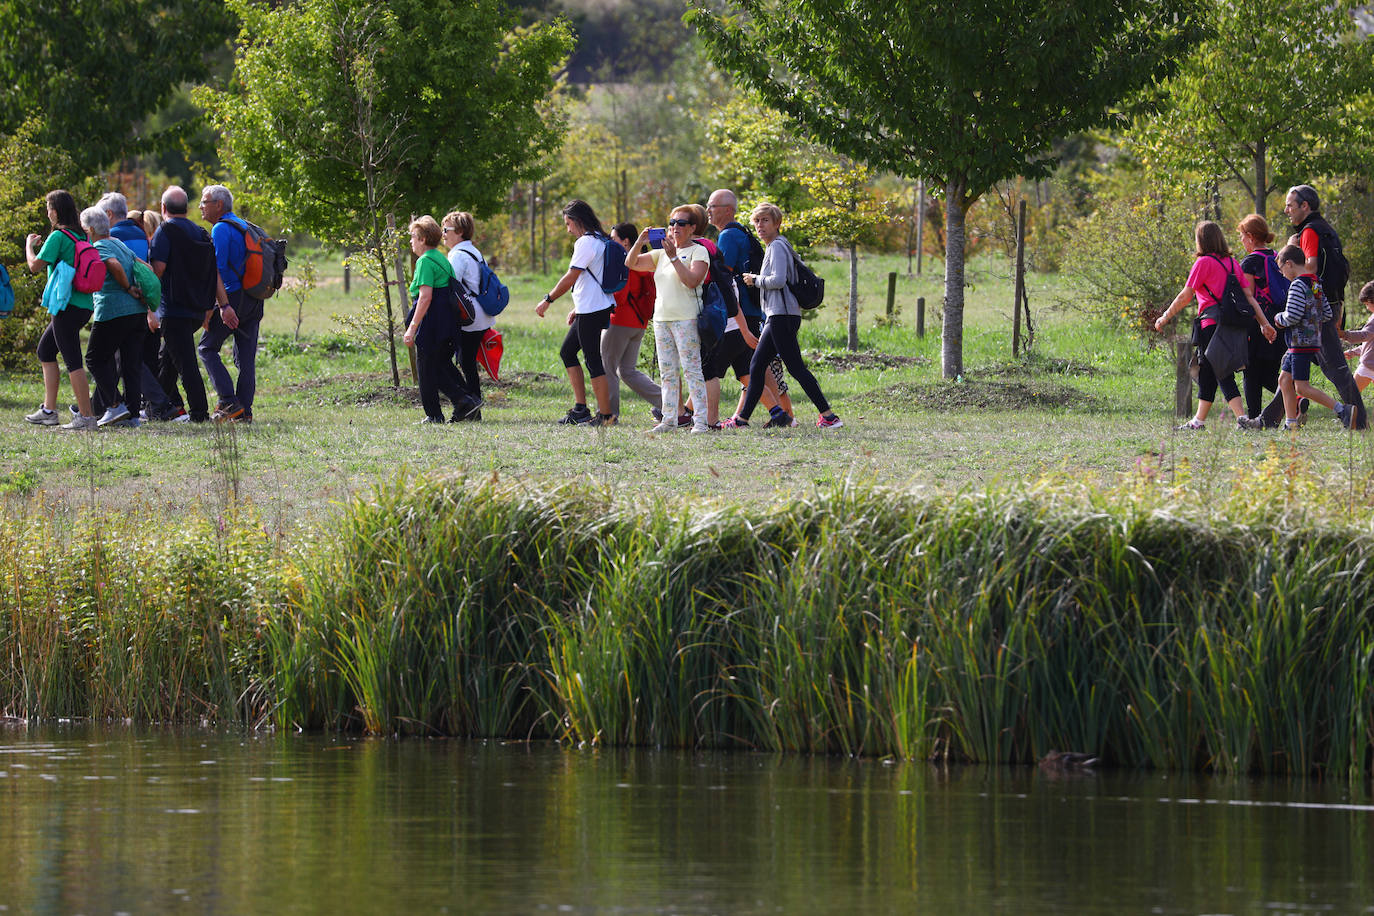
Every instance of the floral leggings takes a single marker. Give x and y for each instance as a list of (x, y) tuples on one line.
[(679, 350)]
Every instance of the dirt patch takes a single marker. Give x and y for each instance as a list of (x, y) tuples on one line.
[(367, 389), (844, 361), (986, 395)]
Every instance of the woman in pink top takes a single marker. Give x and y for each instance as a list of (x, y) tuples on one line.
[(1207, 280)]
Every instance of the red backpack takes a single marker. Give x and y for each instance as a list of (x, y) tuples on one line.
[(90, 266)]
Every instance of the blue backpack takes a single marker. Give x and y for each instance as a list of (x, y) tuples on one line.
[(718, 301), (614, 273), (6, 293), (492, 295), (1275, 291)]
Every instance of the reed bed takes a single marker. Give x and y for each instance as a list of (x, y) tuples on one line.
[(985, 627)]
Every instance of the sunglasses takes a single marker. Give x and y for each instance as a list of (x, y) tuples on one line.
[(679, 222)]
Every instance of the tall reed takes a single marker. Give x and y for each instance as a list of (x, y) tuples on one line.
[(990, 626)]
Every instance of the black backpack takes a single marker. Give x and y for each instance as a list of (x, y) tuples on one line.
[(1233, 309), (1332, 267), (808, 289)]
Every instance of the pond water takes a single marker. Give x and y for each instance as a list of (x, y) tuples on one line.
[(101, 820)]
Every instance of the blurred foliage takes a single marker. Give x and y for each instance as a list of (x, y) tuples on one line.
[(28, 171)]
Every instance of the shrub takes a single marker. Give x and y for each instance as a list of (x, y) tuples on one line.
[(28, 171), (1131, 256)]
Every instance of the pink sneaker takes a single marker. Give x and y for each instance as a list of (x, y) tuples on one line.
[(830, 422), (733, 423)]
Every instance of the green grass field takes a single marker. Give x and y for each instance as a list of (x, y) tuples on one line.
[(1087, 403)]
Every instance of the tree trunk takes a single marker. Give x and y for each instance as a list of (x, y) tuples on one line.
[(952, 337), (390, 320), (853, 297), (1261, 179)]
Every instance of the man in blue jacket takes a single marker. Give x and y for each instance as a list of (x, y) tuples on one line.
[(239, 319)]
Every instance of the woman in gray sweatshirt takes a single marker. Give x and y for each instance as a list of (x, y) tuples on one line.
[(782, 321)]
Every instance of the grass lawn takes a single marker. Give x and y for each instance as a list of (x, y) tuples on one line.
[(1088, 403)]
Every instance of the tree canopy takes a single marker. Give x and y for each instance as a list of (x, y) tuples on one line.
[(345, 111), (960, 94), (342, 109), (1281, 92), (93, 72)]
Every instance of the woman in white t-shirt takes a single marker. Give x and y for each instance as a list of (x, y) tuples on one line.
[(464, 257), (590, 315), (679, 268)]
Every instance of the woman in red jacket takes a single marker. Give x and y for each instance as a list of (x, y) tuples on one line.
[(634, 308)]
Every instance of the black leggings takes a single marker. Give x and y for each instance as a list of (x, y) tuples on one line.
[(63, 335), (585, 334), (779, 338)]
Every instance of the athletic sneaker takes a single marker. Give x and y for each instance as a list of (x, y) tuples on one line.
[(114, 414), (733, 423), (1344, 412), (1293, 424), (226, 412), (1191, 425), (603, 419), (80, 423), (578, 416), (183, 417), (663, 427), (167, 414), (779, 421), (830, 422), (1250, 422), (42, 417), (700, 429), (427, 421), (1303, 406), (685, 419)]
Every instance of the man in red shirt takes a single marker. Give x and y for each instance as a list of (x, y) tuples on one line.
[(1322, 247)]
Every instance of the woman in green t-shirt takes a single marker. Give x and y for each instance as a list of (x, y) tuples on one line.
[(63, 334), (432, 327)]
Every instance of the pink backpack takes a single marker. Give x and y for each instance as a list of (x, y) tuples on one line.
[(90, 267)]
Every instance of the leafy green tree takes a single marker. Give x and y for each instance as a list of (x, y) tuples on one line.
[(94, 71), (848, 213), (1282, 92), (960, 94), (754, 151), (345, 111)]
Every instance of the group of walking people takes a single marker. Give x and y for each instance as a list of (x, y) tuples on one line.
[(667, 271), (1297, 298), (142, 336)]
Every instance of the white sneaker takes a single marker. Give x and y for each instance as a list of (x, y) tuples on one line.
[(184, 418), (42, 417), (113, 415), (80, 423), (666, 426)]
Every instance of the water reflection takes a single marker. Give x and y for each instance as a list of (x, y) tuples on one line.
[(99, 820)]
